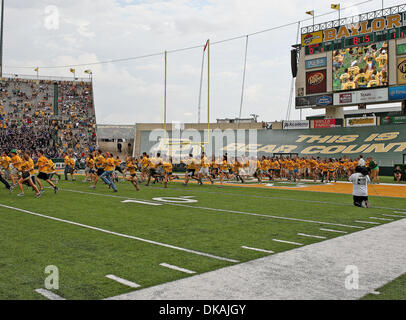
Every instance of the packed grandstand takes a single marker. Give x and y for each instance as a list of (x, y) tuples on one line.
[(48, 115)]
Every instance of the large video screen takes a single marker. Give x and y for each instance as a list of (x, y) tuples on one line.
[(360, 67)]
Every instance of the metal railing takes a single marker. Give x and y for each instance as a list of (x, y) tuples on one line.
[(355, 19)]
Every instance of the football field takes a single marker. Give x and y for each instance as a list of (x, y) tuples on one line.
[(106, 244)]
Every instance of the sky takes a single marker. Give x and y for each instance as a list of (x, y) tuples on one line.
[(52, 33)]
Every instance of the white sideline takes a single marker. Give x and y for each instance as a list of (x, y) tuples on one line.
[(311, 236), (123, 281), (256, 249), (166, 265), (288, 242), (123, 235), (336, 231), (48, 294), (222, 210)]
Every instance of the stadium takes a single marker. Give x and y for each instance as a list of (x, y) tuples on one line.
[(231, 208)]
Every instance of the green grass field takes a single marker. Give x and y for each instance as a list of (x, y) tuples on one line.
[(219, 223)]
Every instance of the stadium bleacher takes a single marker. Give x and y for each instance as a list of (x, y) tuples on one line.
[(55, 116)]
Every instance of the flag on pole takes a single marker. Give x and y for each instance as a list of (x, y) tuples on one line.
[(88, 71), (72, 70), (310, 13), (335, 6), (205, 47), (36, 69)]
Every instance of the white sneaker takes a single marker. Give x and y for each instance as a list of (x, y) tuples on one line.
[(20, 195), (363, 204)]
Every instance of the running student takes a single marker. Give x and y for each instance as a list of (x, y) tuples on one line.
[(132, 168), (27, 170), (360, 180), (43, 168), (191, 165), (168, 171), (99, 162), (108, 171)]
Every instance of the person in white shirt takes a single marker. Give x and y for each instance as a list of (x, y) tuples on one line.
[(360, 180), (361, 161)]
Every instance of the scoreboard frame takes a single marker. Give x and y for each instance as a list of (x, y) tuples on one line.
[(365, 39)]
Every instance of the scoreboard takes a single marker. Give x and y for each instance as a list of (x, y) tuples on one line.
[(358, 60), (365, 39)]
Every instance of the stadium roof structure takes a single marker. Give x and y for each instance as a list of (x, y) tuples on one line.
[(107, 131), (361, 112)]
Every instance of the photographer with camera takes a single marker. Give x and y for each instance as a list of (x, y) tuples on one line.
[(360, 180)]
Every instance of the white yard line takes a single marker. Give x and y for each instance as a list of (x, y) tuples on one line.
[(222, 210), (166, 265), (336, 231), (391, 215), (123, 281), (288, 242), (48, 294), (367, 222), (141, 202), (256, 249), (400, 212), (311, 236), (122, 235), (383, 219)]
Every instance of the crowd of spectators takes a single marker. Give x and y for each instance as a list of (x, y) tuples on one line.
[(32, 118)]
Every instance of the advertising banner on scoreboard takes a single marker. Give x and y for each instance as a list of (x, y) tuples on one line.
[(358, 97), (314, 101), (397, 93), (316, 82), (401, 67), (316, 63), (361, 122), (296, 124), (327, 123), (393, 120), (312, 38)]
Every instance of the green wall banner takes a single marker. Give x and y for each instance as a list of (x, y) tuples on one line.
[(386, 144)]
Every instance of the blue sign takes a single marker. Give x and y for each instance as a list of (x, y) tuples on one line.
[(316, 63), (397, 93), (324, 101)]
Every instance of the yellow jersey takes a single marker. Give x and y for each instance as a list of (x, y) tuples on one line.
[(16, 162), (109, 164), (42, 164)]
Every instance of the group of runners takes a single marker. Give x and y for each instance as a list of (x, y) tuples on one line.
[(18, 168), (159, 169)]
